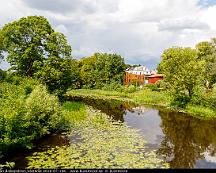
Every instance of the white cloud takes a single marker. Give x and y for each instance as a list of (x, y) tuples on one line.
[(139, 30)]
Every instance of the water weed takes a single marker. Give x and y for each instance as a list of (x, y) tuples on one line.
[(105, 144)]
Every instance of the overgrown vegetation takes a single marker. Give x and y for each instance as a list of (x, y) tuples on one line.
[(104, 144), (28, 112), (190, 74)]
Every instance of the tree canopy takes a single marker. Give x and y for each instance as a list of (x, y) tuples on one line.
[(183, 71), (32, 39), (101, 69)]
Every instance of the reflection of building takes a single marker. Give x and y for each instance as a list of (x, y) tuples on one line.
[(140, 109), (141, 75)]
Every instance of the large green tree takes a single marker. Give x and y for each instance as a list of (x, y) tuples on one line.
[(58, 74), (101, 69), (183, 71), (207, 52), (32, 39), (87, 71), (109, 68)]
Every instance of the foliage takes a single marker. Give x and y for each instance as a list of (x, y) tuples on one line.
[(26, 115), (207, 52), (73, 112), (32, 39), (43, 110), (142, 96), (58, 74), (104, 144), (87, 68), (7, 165), (152, 87), (101, 70), (3, 75), (183, 72)]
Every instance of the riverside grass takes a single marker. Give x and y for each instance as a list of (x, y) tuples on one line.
[(148, 97), (105, 144), (143, 96)]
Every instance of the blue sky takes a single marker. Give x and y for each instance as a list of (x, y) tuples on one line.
[(139, 30), (207, 2)]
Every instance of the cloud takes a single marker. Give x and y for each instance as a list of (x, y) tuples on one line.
[(61, 6), (139, 30), (182, 24)]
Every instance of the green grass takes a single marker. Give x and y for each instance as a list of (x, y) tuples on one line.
[(200, 111), (74, 112), (145, 96)]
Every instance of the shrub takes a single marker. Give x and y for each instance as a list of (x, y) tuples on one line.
[(43, 110), (130, 89), (2, 75), (26, 116), (152, 87)]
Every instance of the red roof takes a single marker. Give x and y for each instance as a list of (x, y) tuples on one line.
[(156, 75)]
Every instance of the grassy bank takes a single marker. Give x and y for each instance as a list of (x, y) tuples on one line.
[(146, 96), (101, 143)]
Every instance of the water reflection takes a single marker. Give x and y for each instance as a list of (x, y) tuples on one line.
[(112, 107), (181, 140), (186, 139)]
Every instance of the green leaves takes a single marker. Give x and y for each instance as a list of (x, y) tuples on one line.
[(32, 39), (105, 144), (101, 69), (182, 70), (26, 116)]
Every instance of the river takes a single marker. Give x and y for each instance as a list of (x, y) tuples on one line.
[(181, 140)]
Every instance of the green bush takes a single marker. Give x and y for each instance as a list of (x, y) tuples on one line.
[(152, 87), (26, 116), (43, 111), (114, 85), (180, 101), (2, 75), (130, 89)]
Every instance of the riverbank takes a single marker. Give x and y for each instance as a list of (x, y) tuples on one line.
[(147, 97)]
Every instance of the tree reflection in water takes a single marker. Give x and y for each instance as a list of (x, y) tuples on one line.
[(186, 139)]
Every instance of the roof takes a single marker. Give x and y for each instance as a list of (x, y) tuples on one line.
[(156, 75)]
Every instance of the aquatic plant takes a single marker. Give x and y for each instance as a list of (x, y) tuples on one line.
[(104, 144)]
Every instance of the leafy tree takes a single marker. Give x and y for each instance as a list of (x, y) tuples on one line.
[(109, 68), (87, 71), (102, 69), (32, 39), (183, 72), (58, 74), (207, 52)]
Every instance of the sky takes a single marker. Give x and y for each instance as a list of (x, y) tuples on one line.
[(139, 30)]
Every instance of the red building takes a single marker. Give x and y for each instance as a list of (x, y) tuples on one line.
[(154, 78), (136, 79)]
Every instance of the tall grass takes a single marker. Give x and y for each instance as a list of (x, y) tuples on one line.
[(143, 96), (74, 112)]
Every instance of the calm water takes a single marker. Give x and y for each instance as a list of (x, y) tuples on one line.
[(181, 140)]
